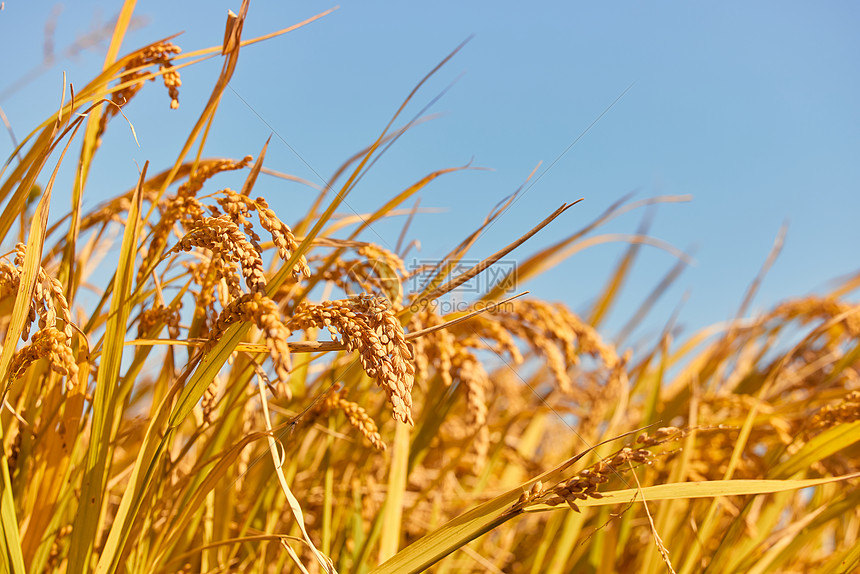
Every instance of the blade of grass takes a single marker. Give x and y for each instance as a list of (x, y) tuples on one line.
[(356, 175), (210, 478), (88, 149), (405, 195), (431, 548), (389, 541), (449, 262), (98, 465), (672, 512), (248, 186), (828, 443), (233, 31), (612, 289), (33, 256), (489, 261), (555, 254), (659, 290), (26, 173), (295, 506), (12, 555), (703, 489), (835, 511), (27, 285)]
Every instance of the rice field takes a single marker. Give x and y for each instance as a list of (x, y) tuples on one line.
[(244, 393)]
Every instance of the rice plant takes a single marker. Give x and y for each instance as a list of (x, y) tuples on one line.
[(243, 393)]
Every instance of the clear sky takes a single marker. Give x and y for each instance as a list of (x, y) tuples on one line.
[(751, 108)]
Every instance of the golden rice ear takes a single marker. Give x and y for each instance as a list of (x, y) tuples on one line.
[(358, 418), (238, 208), (262, 312), (51, 344), (367, 324), (223, 237), (31, 277)]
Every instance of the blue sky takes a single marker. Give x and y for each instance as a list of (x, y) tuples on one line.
[(751, 109)]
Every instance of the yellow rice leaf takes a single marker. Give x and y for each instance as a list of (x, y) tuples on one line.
[(403, 196), (32, 262), (821, 446), (23, 300), (708, 489), (460, 531), (467, 527), (610, 292), (25, 175), (97, 464), (213, 474), (554, 254), (13, 559), (397, 478)]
